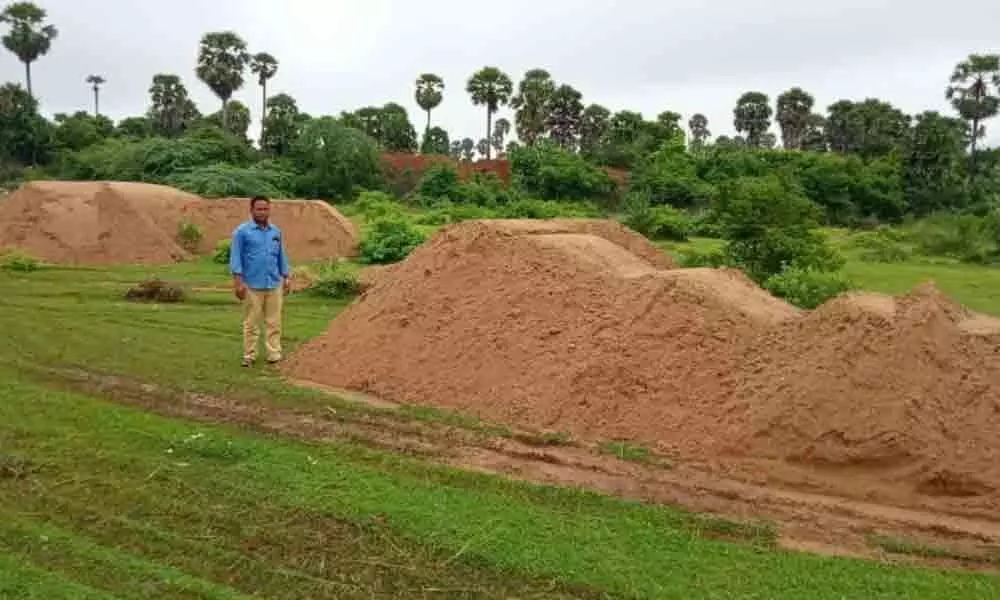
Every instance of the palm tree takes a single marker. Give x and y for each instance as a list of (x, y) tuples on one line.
[(96, 81), (531, 104), (429, 95), (222, 58), (492, 88), (264, 66), (971, 97), (500, 131), (794, 109), (28, 39)]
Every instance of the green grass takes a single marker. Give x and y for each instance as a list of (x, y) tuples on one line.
[(101, 500)]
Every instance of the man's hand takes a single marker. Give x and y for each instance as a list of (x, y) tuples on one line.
[(239, 288), (286, 285)]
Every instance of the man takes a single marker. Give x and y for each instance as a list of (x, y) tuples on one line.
[(260, 271)]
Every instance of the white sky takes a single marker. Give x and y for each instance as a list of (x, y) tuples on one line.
[(644, 55)]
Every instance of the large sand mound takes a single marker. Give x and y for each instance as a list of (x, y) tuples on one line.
[(564, 325), (71, 222), (909, 385)]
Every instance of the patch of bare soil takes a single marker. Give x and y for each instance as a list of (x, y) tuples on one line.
[(83, 223)]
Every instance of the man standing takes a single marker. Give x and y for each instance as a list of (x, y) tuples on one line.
[(260, 271)]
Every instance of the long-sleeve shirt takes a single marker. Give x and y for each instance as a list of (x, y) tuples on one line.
[(258, 256)]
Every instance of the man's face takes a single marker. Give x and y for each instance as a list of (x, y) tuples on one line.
[(261, 211)]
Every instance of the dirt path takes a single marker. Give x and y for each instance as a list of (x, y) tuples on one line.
[(809, 522)]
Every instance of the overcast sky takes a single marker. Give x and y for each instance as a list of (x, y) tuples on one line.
[(647, 55)]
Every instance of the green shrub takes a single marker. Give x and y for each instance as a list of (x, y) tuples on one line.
[(227, 181), (966, 237), (692, 257), (550, 172), (375, 205), (706, 224), (655, 222), (390, 239), (547, 209), (334, 160), (189, 236), (18, 262), (884, 245), (222, 250), (439, 181), (338, 281), (807, 288)]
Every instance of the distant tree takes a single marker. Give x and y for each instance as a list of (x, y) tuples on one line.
[(531, 104), (768, 141), (565, 116), (436, 142), (222, 61), (396, 132), (135, 127), (80, 130), (814, 138), (172, 111), (752, 116), (666, 127), (265, 67), (25, 136), (490, 87), (698, 125), (594, 126), (28, 37), (794, 109), (238, 122), (483, 147), (455, 149), (334, 160), (282, 125), (429, 94), (971, 93), (500, 131), (367, 119), (933, 156), (468, 149), (870, 129), (96, 81)]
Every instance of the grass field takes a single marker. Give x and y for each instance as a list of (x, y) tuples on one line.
[(99, 499)]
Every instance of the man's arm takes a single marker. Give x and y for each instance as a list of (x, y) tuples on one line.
[(284, 268), (236, 264)]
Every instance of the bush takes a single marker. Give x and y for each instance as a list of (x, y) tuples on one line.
[(807, 288), (547, 209), (189, 236), (334, 160), (706, 224), (656, 222), (338, 281), (155, 290), (549, 172), (884, 245), (227, 181), (375, 205), (693, 257), (222, 250), (18, 262), (669, 178), (966, 237), (484, 189), (390, 239), (439, 181)]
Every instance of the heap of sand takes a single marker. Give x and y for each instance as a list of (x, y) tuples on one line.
[(577, 326), (82, 223)]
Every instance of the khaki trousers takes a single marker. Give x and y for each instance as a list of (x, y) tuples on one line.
[(266, 305)]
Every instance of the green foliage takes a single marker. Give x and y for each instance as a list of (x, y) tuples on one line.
[(806, 287), (694, 257), (334, 160), (25, 136), (377, 205), (484, 189), (436, 141), (655, 222), (549, 172), (222, 61), (337, 280), (439, 181), (389, 239), (771, 226), (884, 245), (222, 252), (222, 180), (189, 235), (933, 163), (968, 238), (19, 262), (669, 177), (526, 208)]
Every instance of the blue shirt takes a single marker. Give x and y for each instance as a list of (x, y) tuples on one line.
[(258, 256)]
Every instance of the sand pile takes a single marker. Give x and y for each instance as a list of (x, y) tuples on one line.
[(910, 386), (570, 325), (114, 222)]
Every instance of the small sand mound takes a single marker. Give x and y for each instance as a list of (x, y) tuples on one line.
[(541, 324), (83, 223), (911, 386)]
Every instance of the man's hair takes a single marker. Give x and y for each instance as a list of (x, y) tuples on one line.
[(256, 199)]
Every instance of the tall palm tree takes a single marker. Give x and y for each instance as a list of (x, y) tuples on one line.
[(492, 88), (96, 81), (794, 108), (28, 38), (970, 94), (531, 104), (222, 59), (429, 95), (265, 67), (500, 131)]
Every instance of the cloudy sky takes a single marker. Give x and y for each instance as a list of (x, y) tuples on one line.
[(646, 55)]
